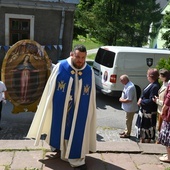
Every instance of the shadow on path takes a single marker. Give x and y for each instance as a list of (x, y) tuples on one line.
[(93, 161)]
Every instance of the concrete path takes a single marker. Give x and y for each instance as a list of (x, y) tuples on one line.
[(23, 155)]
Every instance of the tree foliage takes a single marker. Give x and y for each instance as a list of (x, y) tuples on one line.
[(83, 18), (166, 25), (117, 22)]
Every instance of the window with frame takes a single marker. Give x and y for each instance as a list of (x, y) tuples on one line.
[(19, 29)]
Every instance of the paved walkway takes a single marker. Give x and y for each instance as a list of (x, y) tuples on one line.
[(118, 155), (113, 153)]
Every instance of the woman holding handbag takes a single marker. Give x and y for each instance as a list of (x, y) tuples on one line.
[(147, 115)]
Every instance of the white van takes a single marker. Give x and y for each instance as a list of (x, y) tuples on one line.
[(113, 61)]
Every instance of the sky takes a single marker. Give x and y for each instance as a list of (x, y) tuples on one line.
[(162, 3)]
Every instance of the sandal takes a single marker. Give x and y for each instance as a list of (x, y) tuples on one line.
[(121, 133), (165, 155), (125, 136), (164, 158)]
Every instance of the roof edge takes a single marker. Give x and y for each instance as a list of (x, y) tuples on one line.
[(41, 4)]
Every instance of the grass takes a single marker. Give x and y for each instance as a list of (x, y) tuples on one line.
[(91, 56), (89, 43)]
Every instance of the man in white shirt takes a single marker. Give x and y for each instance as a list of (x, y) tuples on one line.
[(2, 97), (129, 104)]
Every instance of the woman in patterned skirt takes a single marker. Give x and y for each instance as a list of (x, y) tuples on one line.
[(164, 135), (146, 120)]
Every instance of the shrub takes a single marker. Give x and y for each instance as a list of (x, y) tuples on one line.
[(163, 63)]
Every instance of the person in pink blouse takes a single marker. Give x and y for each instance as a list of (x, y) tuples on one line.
[(164, 135)]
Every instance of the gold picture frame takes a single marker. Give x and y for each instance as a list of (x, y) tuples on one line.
[(25, 71)]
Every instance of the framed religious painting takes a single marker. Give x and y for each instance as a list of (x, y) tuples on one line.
[(25, 71)]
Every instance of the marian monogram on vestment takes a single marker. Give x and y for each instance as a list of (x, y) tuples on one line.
[(61, 86), (86, 90)]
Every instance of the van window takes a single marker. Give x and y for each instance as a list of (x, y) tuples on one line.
[(105, 57)]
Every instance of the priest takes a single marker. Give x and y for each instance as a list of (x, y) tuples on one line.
[(66, 113)]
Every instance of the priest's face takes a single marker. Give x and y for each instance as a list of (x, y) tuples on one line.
[(78, 59)]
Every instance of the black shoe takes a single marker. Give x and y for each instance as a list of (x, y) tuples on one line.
[(55, 150), (82, 167), (0, 128)]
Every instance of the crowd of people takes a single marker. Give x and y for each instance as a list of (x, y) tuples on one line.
[(153, 109), (72, 86)]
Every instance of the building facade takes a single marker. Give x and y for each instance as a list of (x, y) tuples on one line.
[(48, 22), (157, 41)]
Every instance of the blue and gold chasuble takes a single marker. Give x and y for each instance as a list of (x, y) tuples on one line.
[(63, 124)]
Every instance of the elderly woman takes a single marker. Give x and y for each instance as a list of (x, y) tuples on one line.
[(146, 120)]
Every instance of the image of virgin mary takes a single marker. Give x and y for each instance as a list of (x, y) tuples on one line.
[(25, 80)]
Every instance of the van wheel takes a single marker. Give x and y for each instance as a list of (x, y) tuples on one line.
[(138, 91)]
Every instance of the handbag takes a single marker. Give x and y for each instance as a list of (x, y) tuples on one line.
[(166, 116)]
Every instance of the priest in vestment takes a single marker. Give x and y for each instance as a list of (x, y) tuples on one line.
[(67, 110)]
